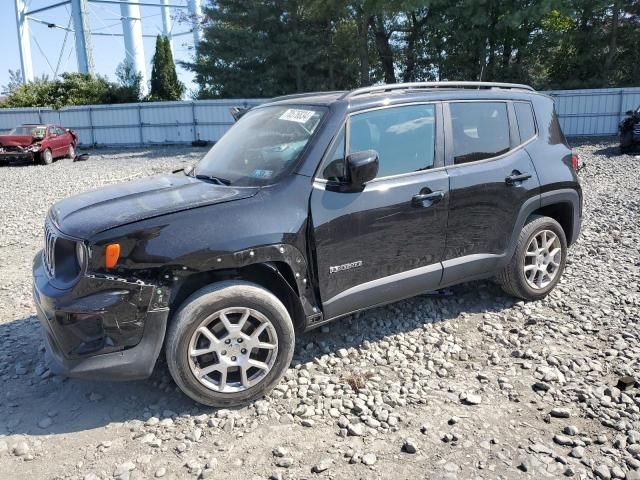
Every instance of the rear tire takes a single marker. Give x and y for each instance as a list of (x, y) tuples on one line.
[(233, 326), (538, 261), (46, 157)]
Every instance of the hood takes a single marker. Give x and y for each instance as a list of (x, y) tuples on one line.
[(89, 213), (16, 140)]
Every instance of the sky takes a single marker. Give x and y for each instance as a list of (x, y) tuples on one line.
[(48, 46)]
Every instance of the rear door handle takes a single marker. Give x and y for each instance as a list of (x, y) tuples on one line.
[(517, 178), (427, 199)]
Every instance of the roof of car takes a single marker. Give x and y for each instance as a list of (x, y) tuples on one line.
[(415, 91)]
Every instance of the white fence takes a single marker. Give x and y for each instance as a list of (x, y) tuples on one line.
[(582, 112)]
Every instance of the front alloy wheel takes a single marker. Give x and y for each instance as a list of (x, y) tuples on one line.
[(229, 343), (233, 349)]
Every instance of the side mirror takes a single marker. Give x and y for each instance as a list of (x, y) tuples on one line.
[(362, 167), (629, 112)]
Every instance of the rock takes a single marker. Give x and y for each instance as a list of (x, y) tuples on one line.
[(577, 452), (4, 447), (356, 430), (560, 412), (472, 399), (280, 452), (369, 459), (322, 466), (602, 472), (409, 445), (123, 469), (343, 353), (563, 440), (20, 449), (284, 462), (160, 472), (571, 430)]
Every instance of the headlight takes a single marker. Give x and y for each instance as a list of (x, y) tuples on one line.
[(33, 148), (81, 255)]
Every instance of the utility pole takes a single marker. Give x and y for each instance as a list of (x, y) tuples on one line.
[(132, 31), (84, 50), (195, 9), (166, 23), (24, 41)]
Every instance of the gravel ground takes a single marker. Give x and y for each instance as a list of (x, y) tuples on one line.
[(466, 383)]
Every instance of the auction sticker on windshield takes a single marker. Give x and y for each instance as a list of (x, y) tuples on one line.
[(297, 115)]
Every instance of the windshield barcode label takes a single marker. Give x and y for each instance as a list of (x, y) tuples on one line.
[(297, 115)]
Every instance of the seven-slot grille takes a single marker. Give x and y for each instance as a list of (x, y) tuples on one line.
[(48, 254)]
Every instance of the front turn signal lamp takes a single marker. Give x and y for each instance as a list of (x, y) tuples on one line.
[(111, 255)]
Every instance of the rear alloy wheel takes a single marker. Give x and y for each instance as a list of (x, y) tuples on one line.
[(538, 261), (46, 157), (229, 343), (72, 151)]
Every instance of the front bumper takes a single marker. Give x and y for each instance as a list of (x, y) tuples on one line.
[(16, 156), (102, 328)]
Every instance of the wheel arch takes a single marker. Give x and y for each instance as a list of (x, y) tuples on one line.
[(275, 276)]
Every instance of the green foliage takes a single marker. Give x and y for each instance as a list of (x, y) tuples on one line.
[(70, 89), (164, 79), (15, 80), (264, 48), (76, 89)]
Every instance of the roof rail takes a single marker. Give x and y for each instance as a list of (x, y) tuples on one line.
[(427, 85), (306, 94)]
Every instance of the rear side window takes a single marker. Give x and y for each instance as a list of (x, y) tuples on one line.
[(480, 130), (404, 137), (526, 123)]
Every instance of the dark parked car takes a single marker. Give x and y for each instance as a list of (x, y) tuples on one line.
[(41, 143), (312, 207), (630, 130)]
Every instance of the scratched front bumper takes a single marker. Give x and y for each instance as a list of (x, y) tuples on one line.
[(101, 328)]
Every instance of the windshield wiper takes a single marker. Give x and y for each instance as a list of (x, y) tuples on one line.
[(218, 180)]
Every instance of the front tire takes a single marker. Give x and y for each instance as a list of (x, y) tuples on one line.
[(46, 157), (538, 261), (71, 153), (229, 344)]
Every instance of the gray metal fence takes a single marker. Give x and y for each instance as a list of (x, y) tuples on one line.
[(135, 123), (582, 112), (594, 112)]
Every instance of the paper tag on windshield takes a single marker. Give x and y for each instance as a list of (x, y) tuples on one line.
[(297, 115)]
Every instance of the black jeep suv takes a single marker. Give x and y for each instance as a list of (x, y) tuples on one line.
[(310, 208), (629, 129)]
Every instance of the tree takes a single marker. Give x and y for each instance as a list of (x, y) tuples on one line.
[(129, 88), (164, 79), (67, 90), (15, 80), (264, 48)]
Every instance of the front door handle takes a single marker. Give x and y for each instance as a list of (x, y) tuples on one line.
[(427, 199), (516, 178)]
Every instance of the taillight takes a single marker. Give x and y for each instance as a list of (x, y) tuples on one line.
[(575, 162)]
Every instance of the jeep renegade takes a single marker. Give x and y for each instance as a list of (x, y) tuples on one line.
[(310, 208)]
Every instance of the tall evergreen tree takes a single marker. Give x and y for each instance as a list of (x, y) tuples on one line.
[(164, 79)]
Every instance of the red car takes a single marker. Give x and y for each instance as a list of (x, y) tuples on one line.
[(38, 143)]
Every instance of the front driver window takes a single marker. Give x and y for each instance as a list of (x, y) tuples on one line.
[(404, 137)]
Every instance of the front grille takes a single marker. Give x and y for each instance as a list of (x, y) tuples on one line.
[(48, 254), (636, 129)]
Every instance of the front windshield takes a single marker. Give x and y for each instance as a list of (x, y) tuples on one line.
[(261, 146), (36, 132)]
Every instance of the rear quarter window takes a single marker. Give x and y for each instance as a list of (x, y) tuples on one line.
[(526, 121)]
